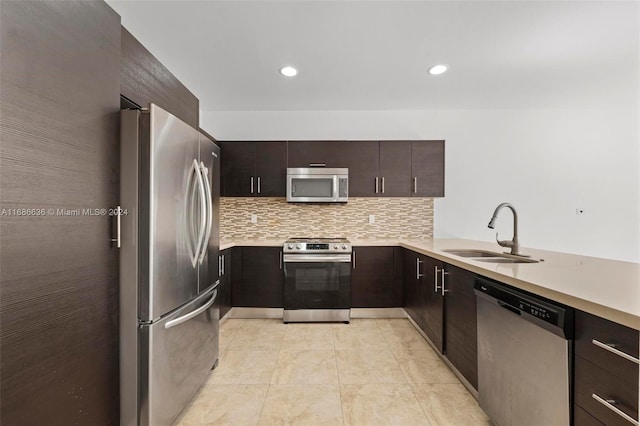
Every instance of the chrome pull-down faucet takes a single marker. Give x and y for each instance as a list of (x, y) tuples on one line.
[(514, 245)]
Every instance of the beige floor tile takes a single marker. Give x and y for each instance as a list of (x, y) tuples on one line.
[(423, 370), (257, 339), (408, 343), (368, 366), (449, 405), (358, 323), (264, 323), (308, 338), (232, 323), (226, 336), (354, 338), (300, 405), (381, 404), (305, 367), (394, 324), (225, 405), (244, 367)]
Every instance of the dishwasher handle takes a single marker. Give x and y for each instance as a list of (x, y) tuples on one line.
[(509, 307)]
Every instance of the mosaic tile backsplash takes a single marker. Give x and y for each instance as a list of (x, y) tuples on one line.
[(395, 218)]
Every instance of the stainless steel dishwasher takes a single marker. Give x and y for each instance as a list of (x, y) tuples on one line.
[(524, 357)]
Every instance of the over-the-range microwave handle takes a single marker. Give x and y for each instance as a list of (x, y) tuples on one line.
[(336, 188), (209, 209)]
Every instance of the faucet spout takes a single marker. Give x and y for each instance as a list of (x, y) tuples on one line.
[(514, 244)]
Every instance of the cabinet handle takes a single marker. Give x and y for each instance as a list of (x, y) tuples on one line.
[(354, 260), (443, 272), (383, 184), (280, 259), (610, 404), (435, 279), (376, 184), (317, 165), (418, 274), (252, 184), (220, 265), (223, 271), (612, 348), (415, 184), (118, 238), (258, 184)]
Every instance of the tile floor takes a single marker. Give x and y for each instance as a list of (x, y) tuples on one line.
[(369, 372)]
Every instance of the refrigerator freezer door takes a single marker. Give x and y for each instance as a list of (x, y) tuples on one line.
[(176, 356), (174, 214), (210, 166)]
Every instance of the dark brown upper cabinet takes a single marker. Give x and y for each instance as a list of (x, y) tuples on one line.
[(254, 169), (427, 168), (144, 80), (361, 157), (394, 178)]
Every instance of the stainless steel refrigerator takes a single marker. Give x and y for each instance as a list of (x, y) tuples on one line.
[(168, 231)]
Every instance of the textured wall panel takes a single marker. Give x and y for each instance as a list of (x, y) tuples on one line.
[(406, 218)]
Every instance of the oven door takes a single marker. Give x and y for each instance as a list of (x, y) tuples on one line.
[(317, 281)]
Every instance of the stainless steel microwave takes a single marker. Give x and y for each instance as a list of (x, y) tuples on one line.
[(317, 185)]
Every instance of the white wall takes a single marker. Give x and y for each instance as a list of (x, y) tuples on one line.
[(546, 162)]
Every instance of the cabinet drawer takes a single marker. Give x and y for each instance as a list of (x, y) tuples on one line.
[(590, 328), (591, 379), (582, 418)]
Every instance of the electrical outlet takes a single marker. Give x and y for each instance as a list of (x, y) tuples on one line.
[(372, 218), (254, 218)]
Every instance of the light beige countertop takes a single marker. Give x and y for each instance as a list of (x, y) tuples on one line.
[(603, 287)]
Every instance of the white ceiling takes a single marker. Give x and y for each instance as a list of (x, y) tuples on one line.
[(374, 55)]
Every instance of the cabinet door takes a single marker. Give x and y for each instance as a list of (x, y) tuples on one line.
[(262, 279), (411, 289), (460, 323), (238, 169), (395, 169), (224, 292), (361, 157), (271, 169), (372, 278), (433, 302), (427, 168)]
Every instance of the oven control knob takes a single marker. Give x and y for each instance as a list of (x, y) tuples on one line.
[(298, 246), (344, 247), (290, 246), (336, 247)]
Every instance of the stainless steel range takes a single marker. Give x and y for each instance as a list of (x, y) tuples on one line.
[(317, 275)]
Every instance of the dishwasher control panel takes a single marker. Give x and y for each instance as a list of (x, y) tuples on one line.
[(520, 303)]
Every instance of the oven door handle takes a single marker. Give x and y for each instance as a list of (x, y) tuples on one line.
[(316, 258)]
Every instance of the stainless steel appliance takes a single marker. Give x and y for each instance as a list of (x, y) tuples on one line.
[(317, 279), (317, 185), (169, 236), (524, 357)]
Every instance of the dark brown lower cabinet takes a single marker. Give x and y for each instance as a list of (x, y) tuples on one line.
[(257, 277), (412, 291), (582, 418), (59, 154), (224, 289), (460, 325), (433, 310), (373, 278)]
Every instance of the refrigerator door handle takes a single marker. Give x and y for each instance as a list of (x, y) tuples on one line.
[(209, 208), (203, 212), (189, 215), (192, 314)]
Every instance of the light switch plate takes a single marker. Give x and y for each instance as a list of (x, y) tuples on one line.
[(372, 218)]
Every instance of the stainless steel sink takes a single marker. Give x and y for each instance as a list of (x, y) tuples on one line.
[(473, 253), (489, 256), (505, 260)]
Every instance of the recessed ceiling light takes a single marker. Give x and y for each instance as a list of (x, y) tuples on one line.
[(288, 71), (438, 69)]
